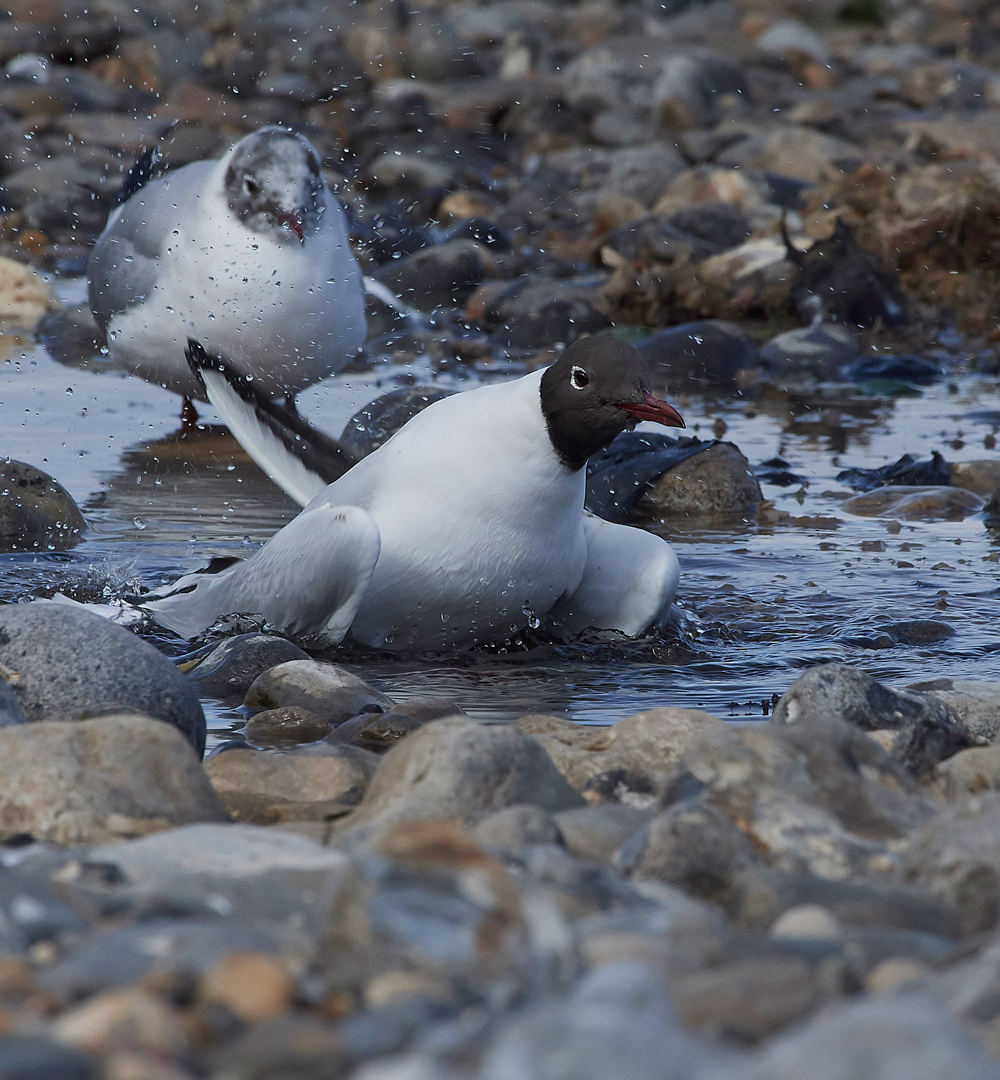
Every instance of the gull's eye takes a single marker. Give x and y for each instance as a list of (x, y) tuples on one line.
[(578, 378), (250, 186)]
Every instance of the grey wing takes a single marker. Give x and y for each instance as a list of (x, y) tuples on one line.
[(124, 265)]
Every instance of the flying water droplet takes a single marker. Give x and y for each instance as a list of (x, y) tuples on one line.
[(138, 523)]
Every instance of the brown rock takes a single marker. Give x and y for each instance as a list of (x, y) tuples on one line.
[(123, 1019), (288, 726), (749, 999), (914, 502), (981, 477), (715, 483), (88, 781), (252, 986), (263, 788)]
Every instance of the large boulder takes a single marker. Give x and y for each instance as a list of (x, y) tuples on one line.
[(36, 512), (94, 780), (68, 664), (930, 730)]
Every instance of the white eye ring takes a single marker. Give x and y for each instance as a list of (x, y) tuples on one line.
[(578, 378)]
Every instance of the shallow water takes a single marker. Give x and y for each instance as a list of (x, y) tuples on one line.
[(768, 599)]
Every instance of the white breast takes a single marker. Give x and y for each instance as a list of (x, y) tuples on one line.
[(481, 525)]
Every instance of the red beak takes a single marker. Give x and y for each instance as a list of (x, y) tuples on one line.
[(655, 409), (292, 220)]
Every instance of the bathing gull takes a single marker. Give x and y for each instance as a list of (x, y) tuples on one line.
[(463, 528)]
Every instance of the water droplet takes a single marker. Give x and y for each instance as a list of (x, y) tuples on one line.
[(246, 541), (138, 523), (69, 390)]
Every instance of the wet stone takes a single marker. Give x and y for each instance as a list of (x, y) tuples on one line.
[(378, 421), (437, 277), (515, 827), (596, 832), (72, 664), (326, 690), (229, 670), (715, 483), (287, 726), (818, 350), (914, 503), (710, 352), (36, 512)]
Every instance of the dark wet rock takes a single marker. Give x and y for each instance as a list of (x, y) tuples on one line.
[(330, 692), (10, 709), (933, 731), (36, 512), (690, 87), (434, 50), (656, 239), (287, 726), (819, 349), (777, 471), (846, 283), (264, 875), (380, 732), (95, 780), (747, 1000), (378, 421), (903, 501), (920, 631), (908, 1035), (648, 745), (34, 1057), (618, 477), (908, 369), (906, 471), (719, 223), (515, 827), (717, 483), (596, 832), (693, 846), (228, 670), (460, 771), (73, 665), (71, 336), (618, 1021), (437, 277), (539, 312), (956, 856), (975, 702), (709, 352), (266, 788), (481, 230)]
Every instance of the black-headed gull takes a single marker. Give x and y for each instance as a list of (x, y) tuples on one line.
[(465, 527), (249, 254)]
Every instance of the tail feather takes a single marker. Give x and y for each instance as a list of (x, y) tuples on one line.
[(297, 457)]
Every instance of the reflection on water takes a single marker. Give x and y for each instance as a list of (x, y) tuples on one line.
[(770, 599)]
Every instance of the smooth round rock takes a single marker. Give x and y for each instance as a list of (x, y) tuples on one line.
[(287, 726), (806, 921), (73, 665), (230, 669), (379, 420), (711, 352), (36, 512), (329, 691), (715, 483)]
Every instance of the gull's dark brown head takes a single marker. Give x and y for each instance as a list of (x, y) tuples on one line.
[(597, 389), (274, 185)]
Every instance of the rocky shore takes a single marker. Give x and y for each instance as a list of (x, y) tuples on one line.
[(362, 888)]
